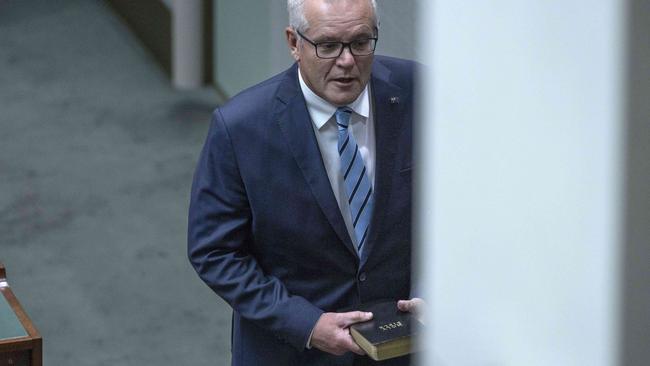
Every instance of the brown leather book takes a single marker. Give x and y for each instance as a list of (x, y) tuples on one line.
[(389, 334)]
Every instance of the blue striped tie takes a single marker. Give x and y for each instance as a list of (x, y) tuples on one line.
[(357, 183)]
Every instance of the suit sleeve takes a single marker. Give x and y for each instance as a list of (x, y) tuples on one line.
[(219, 236)]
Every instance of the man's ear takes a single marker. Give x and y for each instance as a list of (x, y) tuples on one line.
[(292, 42)]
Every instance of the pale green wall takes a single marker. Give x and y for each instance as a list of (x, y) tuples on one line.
[(238, 41), (250, 44)]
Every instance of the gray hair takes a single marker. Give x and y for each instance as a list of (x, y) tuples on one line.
[(297, 18)]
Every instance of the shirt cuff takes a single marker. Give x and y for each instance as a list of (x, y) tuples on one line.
[(308, 345)]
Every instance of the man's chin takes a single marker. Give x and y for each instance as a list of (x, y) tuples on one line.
[(342, 96)]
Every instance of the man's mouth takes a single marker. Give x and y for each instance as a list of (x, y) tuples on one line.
[(344, 80)]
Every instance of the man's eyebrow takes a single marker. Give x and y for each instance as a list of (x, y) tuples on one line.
[(363, 35), (326, 39), (329, 38)]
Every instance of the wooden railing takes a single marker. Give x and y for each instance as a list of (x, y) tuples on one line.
[(20, 342)]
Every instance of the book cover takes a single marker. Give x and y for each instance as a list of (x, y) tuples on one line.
[(389, 334)]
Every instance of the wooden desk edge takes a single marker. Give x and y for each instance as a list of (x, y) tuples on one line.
[(34, 339)]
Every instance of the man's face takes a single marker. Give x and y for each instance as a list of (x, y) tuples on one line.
[(340, 80)]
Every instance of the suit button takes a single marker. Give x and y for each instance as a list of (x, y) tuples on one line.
[(362, 276)]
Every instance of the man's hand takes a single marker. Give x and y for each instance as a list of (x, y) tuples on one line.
[(414, 306), (331, 333)]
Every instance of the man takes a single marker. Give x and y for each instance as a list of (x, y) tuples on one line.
[(301, 202)]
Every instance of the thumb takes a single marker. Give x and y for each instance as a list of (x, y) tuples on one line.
[(353, 317)]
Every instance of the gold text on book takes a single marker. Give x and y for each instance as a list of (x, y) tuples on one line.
[(390, 326)]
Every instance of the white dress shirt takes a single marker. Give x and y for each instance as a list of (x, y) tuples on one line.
[(361, 127)]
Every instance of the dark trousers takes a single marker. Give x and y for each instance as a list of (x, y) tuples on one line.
[(367, 361)]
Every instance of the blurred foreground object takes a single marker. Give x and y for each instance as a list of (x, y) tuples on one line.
[(533, 187)]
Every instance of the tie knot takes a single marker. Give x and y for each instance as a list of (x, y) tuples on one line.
[(343, 117)]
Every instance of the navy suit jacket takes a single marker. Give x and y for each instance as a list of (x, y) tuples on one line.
[(265, 230)]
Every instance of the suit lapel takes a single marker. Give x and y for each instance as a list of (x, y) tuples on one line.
[(388, 123), (295, 124)]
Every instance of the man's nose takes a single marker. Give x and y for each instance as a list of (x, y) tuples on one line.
[(346, 58)]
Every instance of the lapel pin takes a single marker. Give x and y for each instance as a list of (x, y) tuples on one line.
[(394, 100)]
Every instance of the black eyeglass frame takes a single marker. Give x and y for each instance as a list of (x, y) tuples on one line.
[(343, 45)]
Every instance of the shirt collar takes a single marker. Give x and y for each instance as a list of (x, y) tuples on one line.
[(321, 110)]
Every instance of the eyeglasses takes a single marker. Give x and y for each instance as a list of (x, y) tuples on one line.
[(358, 47)]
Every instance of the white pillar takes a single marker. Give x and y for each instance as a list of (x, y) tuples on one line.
[(522, 190), (187, 43)]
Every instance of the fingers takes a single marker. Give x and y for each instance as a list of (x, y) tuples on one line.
[(414, 306), (331, 333), (411, 306), (346, 320), (405, 305), (353, 346)]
